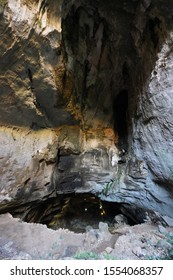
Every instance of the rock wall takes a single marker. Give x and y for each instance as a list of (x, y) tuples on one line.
[(146, 180), (86, 94)]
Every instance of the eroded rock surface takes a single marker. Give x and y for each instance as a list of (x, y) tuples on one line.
[(86, 102)]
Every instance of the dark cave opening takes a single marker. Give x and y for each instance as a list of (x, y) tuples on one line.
[(120, 110), (74, 212)]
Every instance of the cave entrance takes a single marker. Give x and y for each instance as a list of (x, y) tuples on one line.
[(73, 212), (120, 110)]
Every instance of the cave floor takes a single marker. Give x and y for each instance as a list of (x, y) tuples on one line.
[(20, 240)]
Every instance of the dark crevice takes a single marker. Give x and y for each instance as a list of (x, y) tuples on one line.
[(154, 26), (30, 76), (120, 111), (43, 6), (26, 182)]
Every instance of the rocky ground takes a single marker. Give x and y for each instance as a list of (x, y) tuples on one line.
[(20, 240)]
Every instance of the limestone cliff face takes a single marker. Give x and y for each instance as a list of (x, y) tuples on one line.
[(86, 101)]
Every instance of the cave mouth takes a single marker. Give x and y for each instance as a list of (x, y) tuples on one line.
[(74, 212)]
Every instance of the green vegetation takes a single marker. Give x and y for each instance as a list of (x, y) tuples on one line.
[(170, 241), (112, 185), (107, 188), (109, 257), (169, 253), (86, 256), (40, 23), (93, 256), (3, 3)]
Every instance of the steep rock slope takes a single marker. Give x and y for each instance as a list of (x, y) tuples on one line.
[(86, 102)]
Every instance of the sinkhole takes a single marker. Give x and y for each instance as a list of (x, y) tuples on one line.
[(74, 212)]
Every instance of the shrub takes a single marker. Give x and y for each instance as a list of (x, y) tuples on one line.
[(3, 3)]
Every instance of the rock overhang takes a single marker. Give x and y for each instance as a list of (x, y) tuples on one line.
[(64, 78)]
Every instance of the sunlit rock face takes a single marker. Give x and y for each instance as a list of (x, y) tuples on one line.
[(30, 42), (86, 101)]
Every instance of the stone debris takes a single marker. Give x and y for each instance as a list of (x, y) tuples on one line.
[(142, 241), (138, 252), (162, 229), (108, 250)]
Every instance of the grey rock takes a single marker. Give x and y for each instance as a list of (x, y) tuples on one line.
[(120, 219), (138, 252), (70, 251), (91, 238), (162, 229), (103, 227), (168, 221), (70, 104), (164, 244), (108, 250)]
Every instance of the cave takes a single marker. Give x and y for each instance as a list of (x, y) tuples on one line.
[(86, 111), (75, 212)]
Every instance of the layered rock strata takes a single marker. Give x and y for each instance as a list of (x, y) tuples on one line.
[(86, 102)]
